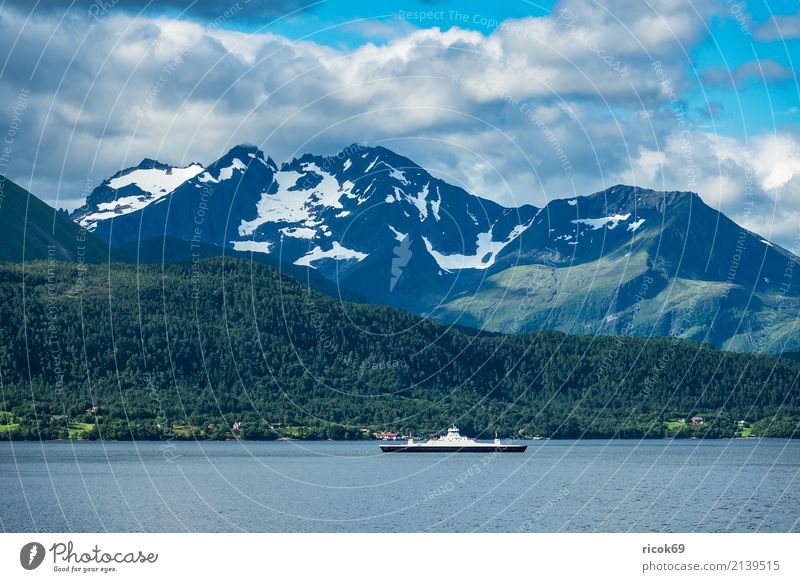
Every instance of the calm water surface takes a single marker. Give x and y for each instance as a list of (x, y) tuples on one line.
[(350, 486)]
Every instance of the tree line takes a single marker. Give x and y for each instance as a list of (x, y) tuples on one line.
[(193, 350)]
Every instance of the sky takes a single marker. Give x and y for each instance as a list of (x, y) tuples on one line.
[(520, 102)]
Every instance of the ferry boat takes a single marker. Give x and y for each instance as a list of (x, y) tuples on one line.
[(452, 442)]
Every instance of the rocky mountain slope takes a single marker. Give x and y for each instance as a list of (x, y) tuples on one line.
[(626, 260)]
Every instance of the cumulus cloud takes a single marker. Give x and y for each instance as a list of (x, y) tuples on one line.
[(765, 72), (755, 182), (779, 28), (535, 109)]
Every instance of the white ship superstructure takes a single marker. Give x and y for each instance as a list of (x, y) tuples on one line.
[(452, 442)]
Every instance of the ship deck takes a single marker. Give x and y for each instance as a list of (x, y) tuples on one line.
[(479, 448)]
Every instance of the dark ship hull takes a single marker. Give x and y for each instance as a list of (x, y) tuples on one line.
[(423, 448)]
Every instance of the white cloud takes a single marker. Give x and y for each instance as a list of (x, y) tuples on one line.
[(754, 183), (539, 108), (779, 28), (764, 72), (776, 160)]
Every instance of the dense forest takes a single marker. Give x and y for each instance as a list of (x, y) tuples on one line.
[(226, 348)]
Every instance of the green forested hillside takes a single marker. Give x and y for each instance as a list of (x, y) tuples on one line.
[(30, 229), (685, 271), (164, 351)]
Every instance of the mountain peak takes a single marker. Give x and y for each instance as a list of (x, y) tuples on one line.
[(626, 197), (149, 164), (245, 151), (623, 191), (245, 148), (391, 157), (628, 190), (372, 154), (378, 224), (245, 154), (358, 160)]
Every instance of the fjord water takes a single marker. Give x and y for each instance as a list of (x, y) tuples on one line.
[(571, 486)]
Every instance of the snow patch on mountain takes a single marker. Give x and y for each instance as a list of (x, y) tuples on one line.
[(251, 246), (420, 202), (156, 181), (598, 223), (89, 222), (282, 206), (485, 255), (436, 204), (126, 203), (364, 195), (337, 252), (328, 191), (296, 200), (225, 173), (633, 226), (397, 174), (300, 232), (399, 236)]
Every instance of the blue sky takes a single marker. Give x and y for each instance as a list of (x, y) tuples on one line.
[(751, 108), (323, 23), (516, 101)]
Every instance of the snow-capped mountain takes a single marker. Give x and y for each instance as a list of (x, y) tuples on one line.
[(632, 261), (329, 213), (132, 189), (379, 225), (332, 213), (205, 208)]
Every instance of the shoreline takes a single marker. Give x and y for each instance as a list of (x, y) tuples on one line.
[(510, 441)]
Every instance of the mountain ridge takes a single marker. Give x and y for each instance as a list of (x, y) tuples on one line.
[(224, 342), (348, 215), (31, 230)]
